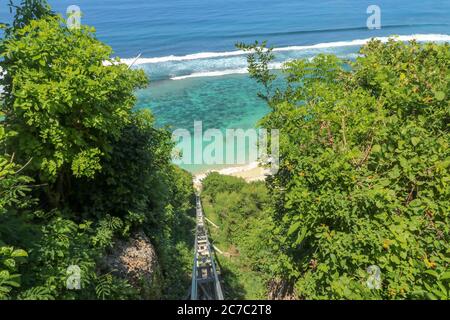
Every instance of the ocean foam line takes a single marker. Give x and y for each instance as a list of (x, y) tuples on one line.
[(195, 56), (325, 45), (272, 66), (360, 42), (211, 74)]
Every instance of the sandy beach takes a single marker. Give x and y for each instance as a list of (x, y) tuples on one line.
[(250, 172)]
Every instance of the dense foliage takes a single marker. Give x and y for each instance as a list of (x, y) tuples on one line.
[(80, 169), (364, 174), (62, 101), (237, 209), (363, 180)]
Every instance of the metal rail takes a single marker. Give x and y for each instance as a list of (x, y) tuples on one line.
[(204, 272)]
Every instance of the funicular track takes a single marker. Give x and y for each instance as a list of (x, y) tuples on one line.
[(205, 279)]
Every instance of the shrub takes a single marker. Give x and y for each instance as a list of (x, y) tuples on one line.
[(62, 100), (94, 169), (364, 174)]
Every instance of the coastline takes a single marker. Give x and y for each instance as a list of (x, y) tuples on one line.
[(249, 172)]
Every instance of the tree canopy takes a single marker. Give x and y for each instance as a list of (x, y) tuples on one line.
[(364, 173), (80, 169)]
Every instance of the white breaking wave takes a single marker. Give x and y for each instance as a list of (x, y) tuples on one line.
[(211, 74), (360, 42), (195, 56), (272, 66), (325, 45)]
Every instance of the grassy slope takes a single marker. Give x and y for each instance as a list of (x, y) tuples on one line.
[(240, 281)]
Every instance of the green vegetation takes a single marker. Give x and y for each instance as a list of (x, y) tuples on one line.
[(364, 174), (79, 169), (363, 180), (237, 208)]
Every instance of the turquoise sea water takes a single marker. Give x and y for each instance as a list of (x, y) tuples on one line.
[(188, 50)]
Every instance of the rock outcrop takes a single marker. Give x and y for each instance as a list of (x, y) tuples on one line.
[(136, 261)]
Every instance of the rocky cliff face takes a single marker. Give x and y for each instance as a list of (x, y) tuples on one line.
[(135, 260)]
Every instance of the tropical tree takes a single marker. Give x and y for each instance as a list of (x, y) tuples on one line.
[(91, 169), (65, 98), (364, 175)]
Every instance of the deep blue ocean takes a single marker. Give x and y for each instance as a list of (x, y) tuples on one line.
[(187, 47)]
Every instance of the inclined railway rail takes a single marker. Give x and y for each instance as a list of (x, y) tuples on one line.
[(205, 278)]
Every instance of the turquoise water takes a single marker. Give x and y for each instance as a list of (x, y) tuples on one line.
[(224, 102), (227, 101), (187, 47)]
